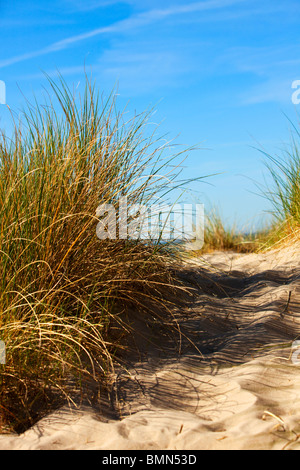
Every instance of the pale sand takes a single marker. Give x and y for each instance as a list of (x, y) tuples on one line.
[(241, 392)]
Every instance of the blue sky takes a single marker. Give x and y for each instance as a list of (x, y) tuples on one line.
[(220, 73)]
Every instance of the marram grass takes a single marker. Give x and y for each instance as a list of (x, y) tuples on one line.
[(63, 290), (283, 192)]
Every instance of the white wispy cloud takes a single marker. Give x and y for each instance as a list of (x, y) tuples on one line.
[(135, 21), (266, 72), (265, 61), (89, 5), (272, 90), (84, 5), (141, 70)]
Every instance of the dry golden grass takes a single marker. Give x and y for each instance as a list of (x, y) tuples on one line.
[(62, 288)]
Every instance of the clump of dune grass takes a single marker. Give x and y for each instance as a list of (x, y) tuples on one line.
[(284, 192), (63, 290), (284, 195), (221, 237)]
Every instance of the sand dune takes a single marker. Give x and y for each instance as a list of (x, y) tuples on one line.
[(234, 385)]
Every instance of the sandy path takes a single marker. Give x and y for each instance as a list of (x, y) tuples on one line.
[(240, 391)]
